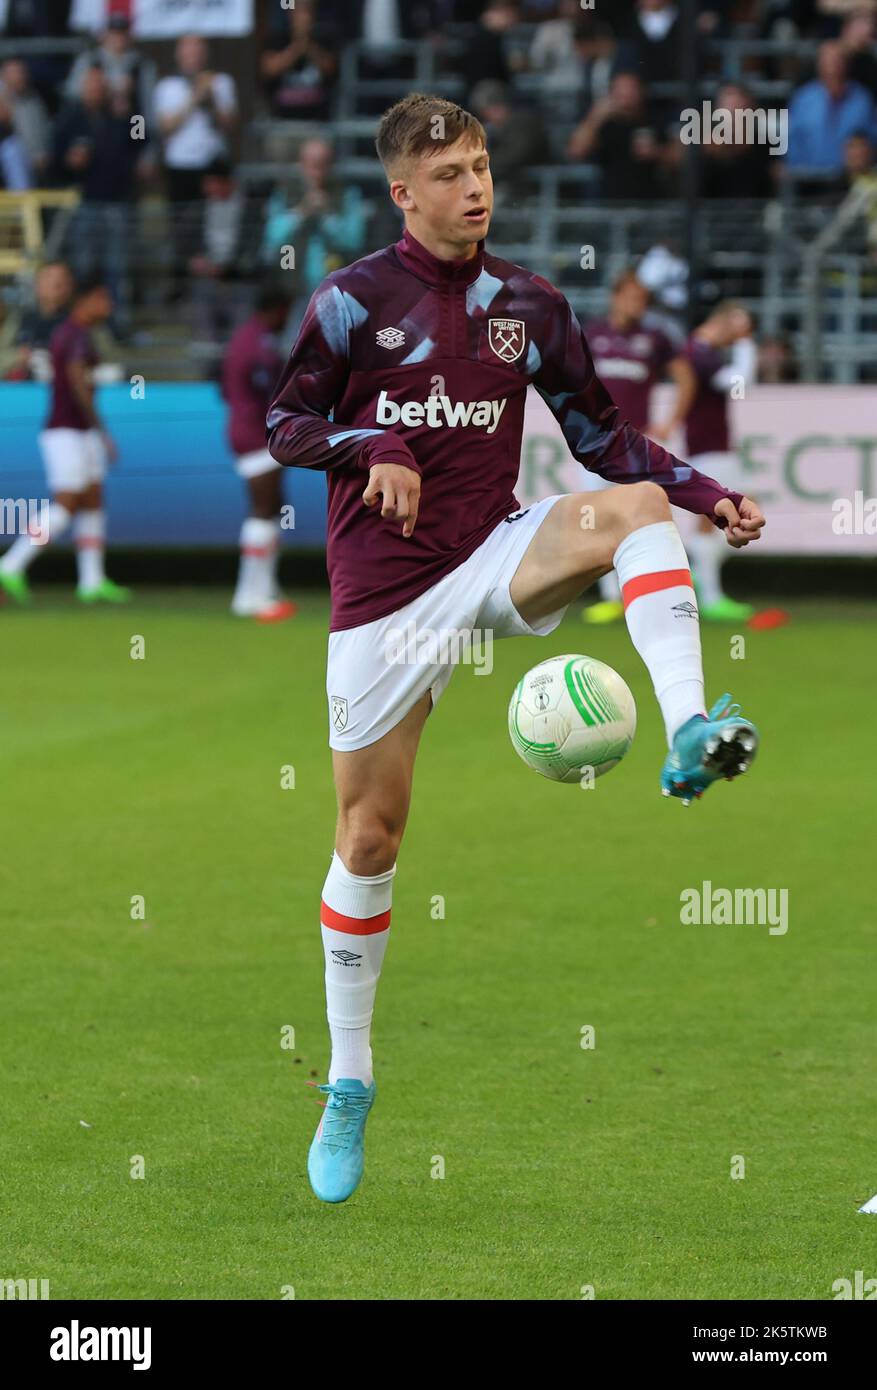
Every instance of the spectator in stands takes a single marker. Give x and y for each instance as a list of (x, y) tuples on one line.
[(573, 55), (782, 22), (94, 152), (857, 40), (382, 23), (124, 68), (713, 17), (196, 109), (298, 67), (485, 55), (326, 225), (832, 13), (219, 267), (379, 26), (664, 272), (29, 115), (824, 113), (40, 19), (24, 341), (622, 135), (516, 137), (16, 174), (861, 175), (652, 45), (738, 169)]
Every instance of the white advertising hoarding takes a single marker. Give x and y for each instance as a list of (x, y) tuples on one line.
[(808, 454), (166, 19)]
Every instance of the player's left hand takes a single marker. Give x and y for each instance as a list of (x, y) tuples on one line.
[(743, 525)]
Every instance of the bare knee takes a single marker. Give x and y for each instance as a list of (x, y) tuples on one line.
[(367, 842), (639, 504)]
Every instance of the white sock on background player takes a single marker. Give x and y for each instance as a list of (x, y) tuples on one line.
[(274, 594), (708, 556), (610, 589), (355, 923), (88, 534), (257, 565), (661, 615), (51, 523)]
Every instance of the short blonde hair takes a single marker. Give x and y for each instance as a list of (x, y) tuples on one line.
[(420, 123)]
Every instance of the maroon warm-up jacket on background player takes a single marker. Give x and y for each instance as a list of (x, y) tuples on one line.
[(405, 358)]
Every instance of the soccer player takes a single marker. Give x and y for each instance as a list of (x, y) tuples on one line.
[(406, 384), (76, 449), (630, 356), (250, 369), (723, 355)]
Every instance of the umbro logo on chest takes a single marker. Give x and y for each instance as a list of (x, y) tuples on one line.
[(390, 338)]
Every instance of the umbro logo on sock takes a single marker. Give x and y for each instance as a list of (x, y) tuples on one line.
[(346, 957), (685, 610)]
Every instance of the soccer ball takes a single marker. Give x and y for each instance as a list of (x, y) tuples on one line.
[(571, 714)]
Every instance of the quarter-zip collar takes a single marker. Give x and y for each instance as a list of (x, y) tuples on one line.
[(438, 273)]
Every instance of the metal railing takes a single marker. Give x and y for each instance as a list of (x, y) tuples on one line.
[(802, 268)]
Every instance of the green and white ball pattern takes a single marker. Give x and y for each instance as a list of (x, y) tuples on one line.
[(569, 714)]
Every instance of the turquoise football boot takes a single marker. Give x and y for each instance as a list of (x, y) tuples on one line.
[(720, 744), (337, 1153)]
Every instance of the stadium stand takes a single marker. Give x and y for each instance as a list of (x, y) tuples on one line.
[(277, 140)]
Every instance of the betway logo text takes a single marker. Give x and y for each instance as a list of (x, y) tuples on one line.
[(436, 411)]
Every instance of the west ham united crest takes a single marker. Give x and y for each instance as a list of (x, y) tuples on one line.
[(507, 337), (339, 712)]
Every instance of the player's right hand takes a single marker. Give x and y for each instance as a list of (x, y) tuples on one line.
[(111, 448), (399, 488)]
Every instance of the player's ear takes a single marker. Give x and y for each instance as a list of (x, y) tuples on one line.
[(401, 196)]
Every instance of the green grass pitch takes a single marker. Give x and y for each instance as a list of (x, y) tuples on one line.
[(161, 1038)]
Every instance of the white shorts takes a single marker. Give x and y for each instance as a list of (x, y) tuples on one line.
[(255, 464), (377, 672), (74, 458), (723, 467)]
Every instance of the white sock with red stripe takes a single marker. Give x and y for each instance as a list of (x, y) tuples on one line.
[(51, 523), (88, 536), (662, 618), (258, 544), (355, 922)]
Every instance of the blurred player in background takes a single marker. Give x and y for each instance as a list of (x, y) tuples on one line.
[(723, 355), (252, 364), (631, 355), (24, 341), (76, 449)]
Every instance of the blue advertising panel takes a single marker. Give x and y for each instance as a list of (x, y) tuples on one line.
[(174, 483)]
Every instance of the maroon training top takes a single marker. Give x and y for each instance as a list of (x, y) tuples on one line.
[(707, 430), (250, 368), (629, 362), (70, 342), (409, 359)]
